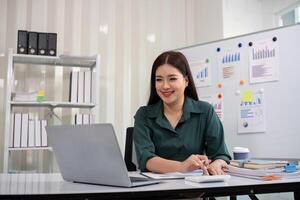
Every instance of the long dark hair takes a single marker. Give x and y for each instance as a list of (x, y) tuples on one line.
[(177, 60)]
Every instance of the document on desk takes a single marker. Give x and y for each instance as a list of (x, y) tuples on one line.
[(262, 174), (173, 175)]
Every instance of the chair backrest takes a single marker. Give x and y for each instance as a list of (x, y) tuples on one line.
[(128, 150)]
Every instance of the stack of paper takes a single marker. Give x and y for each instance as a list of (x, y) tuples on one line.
[(263, 174), (172, 175), (258, 164), (24, 96)]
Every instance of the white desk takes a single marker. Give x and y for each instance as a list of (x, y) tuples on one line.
[(52, 186)]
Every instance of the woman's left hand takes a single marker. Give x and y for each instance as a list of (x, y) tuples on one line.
[(217, 167)]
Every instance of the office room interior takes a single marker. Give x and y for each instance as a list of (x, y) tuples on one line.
[(126, 35)]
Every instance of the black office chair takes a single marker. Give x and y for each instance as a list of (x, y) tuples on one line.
[(128, 150)]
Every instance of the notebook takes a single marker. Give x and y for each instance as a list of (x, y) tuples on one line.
[(208, 179), (91, 154), (258, 164)]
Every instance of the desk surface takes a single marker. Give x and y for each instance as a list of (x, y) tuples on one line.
[(54, 187)]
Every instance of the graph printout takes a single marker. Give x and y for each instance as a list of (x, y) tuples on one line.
[(201, 71), (217, 104), (264, 61), (229, 65), (252, 114)]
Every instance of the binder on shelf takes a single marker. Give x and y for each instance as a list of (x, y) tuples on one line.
[(14, 181), (24, 132), (20, 186), (92, 119), (42, 44), (11, 131), (31, 133), (22, 42), (78, 119), (73, 86), (52, 40), (80, 87), (38, 133), (17, 129), (94, 87), (32, 43), (86, 118), (87, 86), (44, 134), (36, 183), (29, 183)]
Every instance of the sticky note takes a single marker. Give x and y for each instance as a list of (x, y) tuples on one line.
[(247, 96)]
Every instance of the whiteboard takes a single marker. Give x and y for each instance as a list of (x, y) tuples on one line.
[(280, 137)]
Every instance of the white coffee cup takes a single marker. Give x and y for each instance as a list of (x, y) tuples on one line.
[(241, 153)]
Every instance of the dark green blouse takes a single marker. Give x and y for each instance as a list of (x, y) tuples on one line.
[(199, 131)]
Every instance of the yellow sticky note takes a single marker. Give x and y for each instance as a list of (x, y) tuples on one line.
[(247, 96)]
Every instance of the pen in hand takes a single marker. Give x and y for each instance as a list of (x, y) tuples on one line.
[(194, 162), (204, 168), (204, 163)]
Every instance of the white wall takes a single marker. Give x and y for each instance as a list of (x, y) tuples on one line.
[(271, 8), (208, 20), (247, 16), (241, 17)]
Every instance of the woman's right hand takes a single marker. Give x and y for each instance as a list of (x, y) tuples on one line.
[(194, 162)]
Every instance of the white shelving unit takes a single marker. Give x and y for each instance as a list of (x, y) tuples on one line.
[(89, 62), (52, 104)]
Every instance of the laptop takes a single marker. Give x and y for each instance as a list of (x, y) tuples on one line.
[(91, 154)]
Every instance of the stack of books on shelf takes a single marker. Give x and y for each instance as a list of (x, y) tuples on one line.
[(84, 118), (80, 87), (24, 96), (261, 169), (25, 131)]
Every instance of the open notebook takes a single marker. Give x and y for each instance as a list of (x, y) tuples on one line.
[(173, 175)]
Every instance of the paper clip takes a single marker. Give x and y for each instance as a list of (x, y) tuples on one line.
[(290, 168)]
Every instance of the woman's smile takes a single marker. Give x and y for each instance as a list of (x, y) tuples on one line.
[(167, 93)]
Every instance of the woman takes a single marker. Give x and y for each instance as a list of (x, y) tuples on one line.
[(174, 130)]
